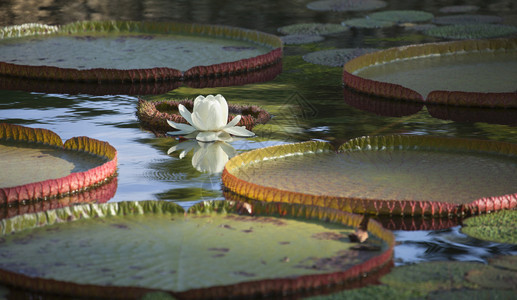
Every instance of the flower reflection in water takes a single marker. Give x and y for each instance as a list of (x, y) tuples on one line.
[(208, 157)]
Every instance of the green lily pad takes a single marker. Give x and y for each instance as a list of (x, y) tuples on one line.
[(461, 73), (498, 227), (36, 164), (402, 16), (471, 31), (312, 28), (335, 57), (214, 249), (459, 9), (504, 262), (135, 51), (426, 277), (472, 294), (346, 5), (297, 39), (366, 23), (467, 19), (372, 292), (395, 175), (494, 278)]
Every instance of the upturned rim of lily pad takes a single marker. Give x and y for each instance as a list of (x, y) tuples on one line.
[(152, 117), (456, 98), (248, 189), (74, 182), (264, 287), (143, 75)]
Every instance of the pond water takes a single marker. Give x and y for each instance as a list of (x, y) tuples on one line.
[(321, 109)]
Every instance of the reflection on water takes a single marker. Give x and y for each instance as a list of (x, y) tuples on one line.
[(208, 157), (147, 172)]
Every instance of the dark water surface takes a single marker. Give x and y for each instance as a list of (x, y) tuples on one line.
[(147, 172)]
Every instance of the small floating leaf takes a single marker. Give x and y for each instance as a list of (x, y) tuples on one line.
[(467, 19), (431, 276), (335, 57), (402, 16), (459, 8), (366, 23), (493, 278), (296, 39), (312, 28), (498, 227), (346, 5), (471, 31)]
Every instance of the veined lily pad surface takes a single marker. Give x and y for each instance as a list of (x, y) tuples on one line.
[(133, 51), (466, 73), (216, 249), (498, 227), (395, 175), (36, 164)]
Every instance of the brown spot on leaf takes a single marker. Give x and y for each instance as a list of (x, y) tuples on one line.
[(329, 235), (244, 273), (219, 249)]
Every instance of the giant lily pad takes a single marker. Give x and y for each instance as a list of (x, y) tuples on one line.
[(135, 52), (498, 227), (463, 73), (214, 250), (394, 175), (153, 115), (36, 164)]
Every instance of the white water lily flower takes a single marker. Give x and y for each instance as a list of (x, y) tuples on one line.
[(210, 119)]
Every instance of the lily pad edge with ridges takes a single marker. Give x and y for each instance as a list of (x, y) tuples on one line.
[(363, 205), (153, 74), (455, 98), (65, 185), (260, 287)]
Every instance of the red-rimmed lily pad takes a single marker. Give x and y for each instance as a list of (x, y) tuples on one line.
[(389, 175), (215, 250), (124, 51), (36, 164), (153, 115), (461, 73), (346, 5), (498, 227)]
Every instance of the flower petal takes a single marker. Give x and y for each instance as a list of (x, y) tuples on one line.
[(207, 136), (180, 126), (233, 122), (185, 113), (199, 121), (223, 106), (239, 131)]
